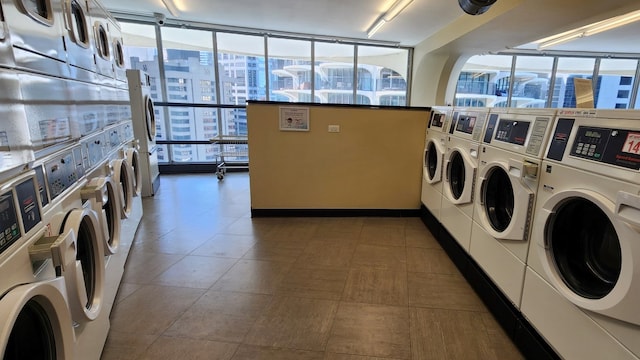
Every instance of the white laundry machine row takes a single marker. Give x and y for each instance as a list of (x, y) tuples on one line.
[(144, 127), (36, 317), (582, 286), (460, 169), (510, 155), (433, 159)]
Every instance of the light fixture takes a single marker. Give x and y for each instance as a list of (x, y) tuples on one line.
[(387, 16), (171, 6), (396, 9), (589, 30), (376, 26)]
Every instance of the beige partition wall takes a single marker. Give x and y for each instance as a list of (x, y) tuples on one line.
[(373, 162)]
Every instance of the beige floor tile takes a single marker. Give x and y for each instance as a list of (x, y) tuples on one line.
[(295, 229), (126, 346), (253, 276), (371, 330), (434, 261), (379, 257), (282, 251), (249, 352), (499, 341), (339, 226), (125, 290), (226, 245), (195, 271), (421, 238), (376, 286), (295, 323), (450, 334), (142, 267), (169, 348), (314, 283), (384, 234), (152, 309), (334, 356), (220, 316), (442, 292), (258, 228), (319, 254)]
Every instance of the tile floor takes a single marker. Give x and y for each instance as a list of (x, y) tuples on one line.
[(206, 281)]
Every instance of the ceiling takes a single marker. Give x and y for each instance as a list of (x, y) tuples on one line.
[(432, 24)]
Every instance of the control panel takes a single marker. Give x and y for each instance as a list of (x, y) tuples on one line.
[(9, 229), (42, 190), (28, 203), (438, 120), (61, 173), (95, 149), (617, 147)]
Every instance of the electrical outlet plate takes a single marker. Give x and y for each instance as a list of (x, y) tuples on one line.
[(334, 128)]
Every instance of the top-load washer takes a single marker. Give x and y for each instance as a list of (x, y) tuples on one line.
[(582, 288), (461, 165), (433, 159), (36, 33), (36, 323), (144, 129), (510, 155)]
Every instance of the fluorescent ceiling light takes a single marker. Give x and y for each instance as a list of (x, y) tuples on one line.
[(387, 16), (589, 30), (376, 26), (171, 6), (396, 9)]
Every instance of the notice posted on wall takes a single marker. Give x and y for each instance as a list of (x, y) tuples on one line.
[(293, 118)]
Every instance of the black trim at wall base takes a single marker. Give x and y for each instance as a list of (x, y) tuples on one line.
[(523, 335), (334, 212)]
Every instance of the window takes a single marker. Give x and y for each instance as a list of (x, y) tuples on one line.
[(335, 70), (623, 94), (626, 80), (485, 81)]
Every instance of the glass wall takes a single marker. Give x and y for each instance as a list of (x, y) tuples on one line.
[(486, 81), (215, 72)]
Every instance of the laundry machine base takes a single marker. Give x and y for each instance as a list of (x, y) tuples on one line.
[(566, 328), (457, 222), (91, 337), (504, 268), (431, 198)]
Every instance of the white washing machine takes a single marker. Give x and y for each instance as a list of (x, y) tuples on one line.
[(78, 246), (433, 159), (36, 33), (144, 128), (460, 168), (36, 322), (510, 155), (582, 288)]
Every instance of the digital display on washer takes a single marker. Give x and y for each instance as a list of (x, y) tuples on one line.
[(512, 131), (617, 147), (466, 123), (28, 202), (437, 120), (9, 229), (491, 126)]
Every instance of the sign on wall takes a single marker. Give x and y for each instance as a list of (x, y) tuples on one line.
[(294, 118)]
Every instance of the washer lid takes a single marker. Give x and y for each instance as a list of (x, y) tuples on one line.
[(36, 322)]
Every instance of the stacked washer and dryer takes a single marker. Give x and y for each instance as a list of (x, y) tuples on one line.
[(69, 177), (582, 285)]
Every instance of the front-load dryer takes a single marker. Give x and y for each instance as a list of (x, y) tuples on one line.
[(511, 152), (584, 246), (144, 128), (36, 323), (77, 38), (433, 159), (36, 33), (101, 40), (460, 168)]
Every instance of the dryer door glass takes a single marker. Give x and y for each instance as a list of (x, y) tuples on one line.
[(457, 175), (431, 160), (79, 24), (86, 255), (585, 248), (498, 199), (32, 336), (150, 118)]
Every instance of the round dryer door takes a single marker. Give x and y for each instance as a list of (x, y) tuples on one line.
[(104, 195), (433, 158), (133, 160), (150, 118), (123, 175), (459, 177), (36, 323), (505, 202), (79, 255), (591, 249), (79, 28)]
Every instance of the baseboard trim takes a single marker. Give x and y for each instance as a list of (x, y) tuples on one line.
[(335, 212)]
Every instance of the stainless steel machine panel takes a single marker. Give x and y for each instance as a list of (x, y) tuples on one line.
[(6, 50), (101, 42), (88, 114), (36, 33), (15, 140), (63, 171)]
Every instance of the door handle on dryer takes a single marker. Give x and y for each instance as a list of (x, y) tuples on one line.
[(628, 208)]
